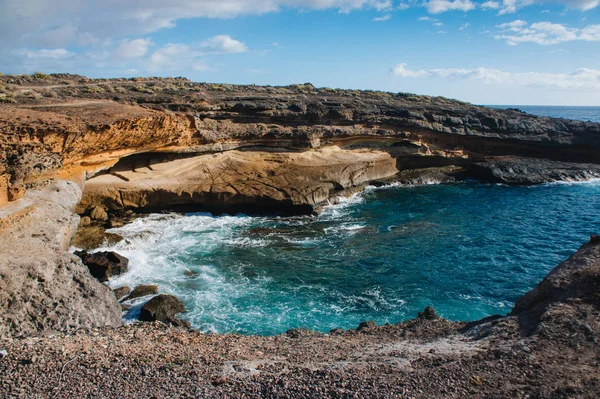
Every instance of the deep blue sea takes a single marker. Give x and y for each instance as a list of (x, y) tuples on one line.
[(579, 113), (470, 250)]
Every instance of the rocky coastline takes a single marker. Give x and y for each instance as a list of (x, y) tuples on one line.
[(80, 155)]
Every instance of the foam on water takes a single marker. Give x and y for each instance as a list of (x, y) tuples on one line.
[(467, 249)]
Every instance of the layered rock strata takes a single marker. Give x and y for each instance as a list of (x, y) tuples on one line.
[(149, 144)]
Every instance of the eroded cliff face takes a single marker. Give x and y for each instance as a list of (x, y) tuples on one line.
[(71, 127), (149, 144), (43, 286)]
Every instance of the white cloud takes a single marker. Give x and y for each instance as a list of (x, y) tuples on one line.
[(581, 79), (511, 6), (440, 6), (464, 26), (129, 49), (63, 22), (176, 57), (490, 5), (383, 18), (402, 71), (545, 33), (53, 54), (224, 44)]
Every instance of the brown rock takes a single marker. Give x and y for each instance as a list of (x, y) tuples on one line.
[(122, 292), (99, 213), (142, 290), (104, 265), (161, 308), (85, 221), (428, 314), (366, 325)]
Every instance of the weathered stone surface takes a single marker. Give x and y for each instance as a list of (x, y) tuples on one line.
[(530, 171), (577, 279), (104, 265), (161, 308), (42, 285), (98, 213), (143, 290), (121, 292), (235, 180)]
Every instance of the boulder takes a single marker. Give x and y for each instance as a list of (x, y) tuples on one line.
[(143, 290), (104, 265), (122, 292), (428, 314), (85, 221), (161, 308), (366, 325), (98, 213)]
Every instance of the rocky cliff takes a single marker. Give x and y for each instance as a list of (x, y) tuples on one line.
[(147, 144), (72, 127)]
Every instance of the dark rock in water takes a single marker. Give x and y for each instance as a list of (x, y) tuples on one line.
[(90, 237), (530, 171), (336, 331), (104, 265), (189, 273), (143, 290), (428, 314), (365, 325), (161, 308), (121, 292), (594, 239)]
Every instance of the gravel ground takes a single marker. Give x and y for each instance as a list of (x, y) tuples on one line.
[(417, 359)]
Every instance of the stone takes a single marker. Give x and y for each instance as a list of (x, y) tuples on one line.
[(98, 213), (104, 265), (189, 273), (85, 221), (428, 313), (121, 292), (161, 308), (143, 290), (365, 325), (3, 353)]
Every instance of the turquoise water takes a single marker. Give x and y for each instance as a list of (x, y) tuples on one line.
[(578, 113), (470, 250)]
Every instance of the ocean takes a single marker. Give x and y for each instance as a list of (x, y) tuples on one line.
[(585, 114), (469, 250)]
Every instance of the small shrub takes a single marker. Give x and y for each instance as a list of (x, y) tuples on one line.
[(93, 89), (40, 75), (7, 100)]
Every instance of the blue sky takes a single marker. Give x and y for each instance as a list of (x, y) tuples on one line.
[(488, 52)]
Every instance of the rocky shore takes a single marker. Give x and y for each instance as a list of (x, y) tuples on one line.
[(546, 348), (81, 155)]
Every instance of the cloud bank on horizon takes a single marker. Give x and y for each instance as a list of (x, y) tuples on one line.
[(498, 43)]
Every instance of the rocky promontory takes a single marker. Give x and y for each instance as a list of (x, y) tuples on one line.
[(76, 151)]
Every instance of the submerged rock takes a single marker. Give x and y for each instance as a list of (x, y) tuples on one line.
[(143, 290), (104, 265), (161, 308)]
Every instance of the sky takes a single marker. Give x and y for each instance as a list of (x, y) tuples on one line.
[(527, 52)]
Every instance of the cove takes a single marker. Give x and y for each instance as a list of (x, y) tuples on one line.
[(469, 250)]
